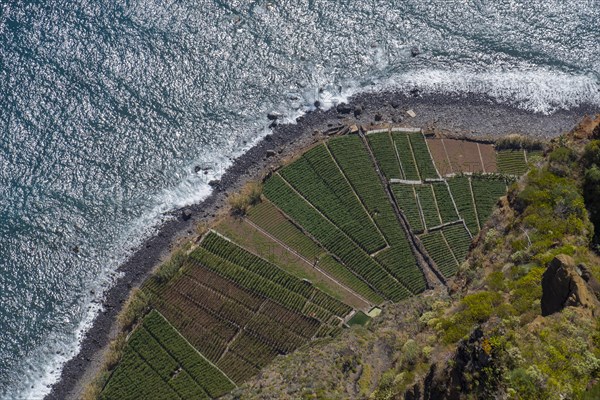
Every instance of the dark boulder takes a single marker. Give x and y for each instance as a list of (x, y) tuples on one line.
[(344, 108), (414, 51), (271, 153), (317, 104), (562, 286), (378, 117), (186, 214), (272, 116)]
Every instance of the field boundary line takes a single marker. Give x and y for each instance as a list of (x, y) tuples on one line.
[(481, 158), (474, 203), (393, 142), (437, 207), (313, 265), (196, 350), (431, 157), (453, 202), (412, 152), (335, 257), (449, 248), (323, 215), (447, 156), (387, 244), (422, 259)]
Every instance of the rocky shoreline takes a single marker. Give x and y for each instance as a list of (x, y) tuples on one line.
[(473, 116)]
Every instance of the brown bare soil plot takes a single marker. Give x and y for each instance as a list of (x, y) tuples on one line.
[(436, 147), (456, 156), (488, 154)]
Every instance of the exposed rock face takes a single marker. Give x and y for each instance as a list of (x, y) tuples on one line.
[(562, 286), (472, 371)]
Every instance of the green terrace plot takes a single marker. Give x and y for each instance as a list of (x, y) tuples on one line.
[(268, 218), (460, 187), (159, 363), (444, 202), (407, 201), (333, 239), (357, 165), (512, 162), (268, 279), (385, 153), (457, 236), (487, 189), (422, 156), (316, 177), (408, 163), (440, 252), (426, 199)]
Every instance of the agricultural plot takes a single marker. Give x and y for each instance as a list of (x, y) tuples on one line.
[(460, 187), (426, 200), (385, 152), (159, 363), (486, 191), (267, 217), (316, 177), (270, 219), (459, 240), (405, 154), (325, 240), (438, 250), (423, 158), (357, 165), (333, 239), (452, 156), (444, 202), (512, 162), (407, 201), (279, 280), (248, 236)]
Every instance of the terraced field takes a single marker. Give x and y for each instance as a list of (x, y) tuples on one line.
[(337, 232)]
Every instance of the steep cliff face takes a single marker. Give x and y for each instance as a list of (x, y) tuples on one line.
[(518, 322)]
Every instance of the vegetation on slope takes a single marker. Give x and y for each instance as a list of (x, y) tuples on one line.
[(487, 338)]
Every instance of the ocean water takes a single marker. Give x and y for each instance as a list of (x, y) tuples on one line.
[(107, 106)]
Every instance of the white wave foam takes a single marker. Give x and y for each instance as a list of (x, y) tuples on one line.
[(540, 91)]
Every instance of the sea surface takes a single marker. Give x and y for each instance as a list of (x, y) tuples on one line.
[(107, 107)]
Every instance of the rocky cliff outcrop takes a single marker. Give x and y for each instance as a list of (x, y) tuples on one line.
[(563, 286)]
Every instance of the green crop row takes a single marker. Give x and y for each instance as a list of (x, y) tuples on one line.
[(428, 205), (253, 348), (268, 217), (459, 240), (332, 196), (460, 186), (512, 162), (408, 273), (439, 251), (231, 252), (487, 191), (423, 157), (407, 202), (333, 239), (249, 280), (407, 161), (342, 274), (444, 202), (239, 368), (385, 153), (202, 337), (237, 255), (355, 162)]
